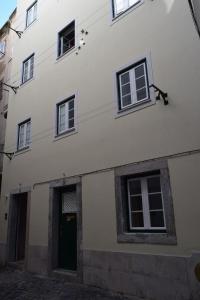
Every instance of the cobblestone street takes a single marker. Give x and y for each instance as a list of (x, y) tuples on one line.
[(19, 285)]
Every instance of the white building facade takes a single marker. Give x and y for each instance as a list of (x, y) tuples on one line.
[(104, 183)]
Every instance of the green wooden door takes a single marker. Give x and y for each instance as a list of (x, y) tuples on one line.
[(68, 235)]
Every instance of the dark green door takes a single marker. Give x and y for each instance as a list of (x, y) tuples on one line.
[(68, 241)]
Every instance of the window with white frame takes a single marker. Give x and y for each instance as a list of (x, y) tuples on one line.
[(66, 39), (31, 14), (24, 135), (2, 48), (119, 6), (28, 68), (66, 115), (133, 85), (145, 204)]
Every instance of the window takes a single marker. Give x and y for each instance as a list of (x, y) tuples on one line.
[(24, 135), (144, 203), (28, 66), (133, 85), (66, 39), (119, 6), (31, 14), (2, 48), (65, 116)]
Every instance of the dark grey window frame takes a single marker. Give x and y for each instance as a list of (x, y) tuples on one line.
[(27, 25), (150, 237), (59, 54), (73, 97), (29, 57), (120, 108)]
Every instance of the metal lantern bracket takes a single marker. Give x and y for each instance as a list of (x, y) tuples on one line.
[(160, 94), (14, 88), (8, 154), (18, 32)]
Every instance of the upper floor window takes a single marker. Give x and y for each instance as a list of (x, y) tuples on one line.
[(133, 86), (28, 67), (31, 14), (66, 39), (119, 6), (2, 48), (65, 115), (24, 135)]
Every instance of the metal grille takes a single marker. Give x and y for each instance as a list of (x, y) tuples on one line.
[(69, 203)]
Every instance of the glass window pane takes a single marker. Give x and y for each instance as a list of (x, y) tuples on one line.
[(141, 94), (155, 201), (126, 89), (139, 71), (157, 219), (28, 133), (137, 219), (134, 187), (71, 123), (154, 184), (71, 114), (140, 83), (126, 100), (71, 104), (125, 78), (136, 203)]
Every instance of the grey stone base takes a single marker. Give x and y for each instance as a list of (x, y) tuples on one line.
[(3, 254), (152, 277), (37, 259)]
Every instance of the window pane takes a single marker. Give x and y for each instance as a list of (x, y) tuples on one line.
[(136, 203), (71, 123), (67, 38), (140, 83), (61, 117), (141, 94), (71, 104), (120, 5), (71, 114), (137, 219), (139, 71), (157, 219), (28, 133), (21, 136), (155, 201), (154, 184), (126, 89), (134, 187), (126, 100), (125, 78)]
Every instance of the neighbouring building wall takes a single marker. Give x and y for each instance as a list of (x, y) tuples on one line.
[(108, 146)]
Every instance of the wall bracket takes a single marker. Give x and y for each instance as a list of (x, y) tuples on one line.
[(160, 94), (14, 88), (19, 33), (8, 154)]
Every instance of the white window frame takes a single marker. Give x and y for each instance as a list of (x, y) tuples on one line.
[(31, 14), (2, 48), (66, 129), (145, 204), (127, 6), (28, 63), (26, 143)]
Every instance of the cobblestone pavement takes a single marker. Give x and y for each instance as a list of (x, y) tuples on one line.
[(19, 285)]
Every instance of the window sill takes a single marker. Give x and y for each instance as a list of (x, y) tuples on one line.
[(59, 58), (126, 12), (30, 25), (147, 238), (135, 107), (26, 82), (22, 151), (65, 134)]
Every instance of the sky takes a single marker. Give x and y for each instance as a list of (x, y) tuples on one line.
[(6, 8)]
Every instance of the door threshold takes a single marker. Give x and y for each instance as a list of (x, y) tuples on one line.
[(68, 275)]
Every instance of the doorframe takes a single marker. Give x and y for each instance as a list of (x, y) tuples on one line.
[(11, 243), (55, 188)]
